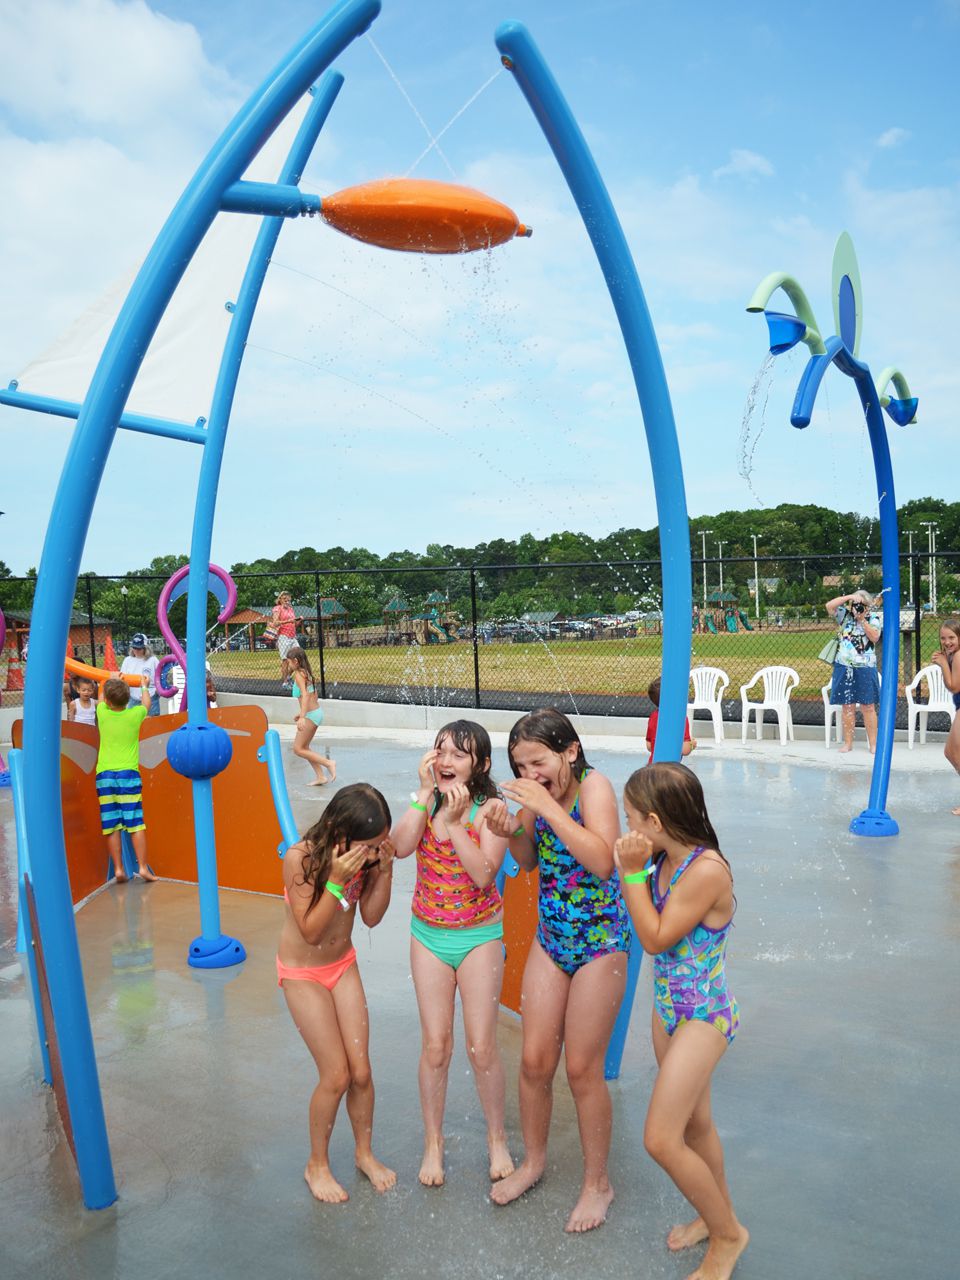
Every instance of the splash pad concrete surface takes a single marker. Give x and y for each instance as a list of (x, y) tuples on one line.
[(836, 1104)]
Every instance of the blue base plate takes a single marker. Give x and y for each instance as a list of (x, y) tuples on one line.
[(215, 953), (874, 822)]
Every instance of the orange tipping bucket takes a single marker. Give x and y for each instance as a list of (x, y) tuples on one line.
[(417, 215)]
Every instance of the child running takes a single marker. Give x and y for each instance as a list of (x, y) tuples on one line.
[(576, 971), (457, 928), (296, 668), (83, 708), (948, 662), (344, 859), (119, 788), (682, 919)]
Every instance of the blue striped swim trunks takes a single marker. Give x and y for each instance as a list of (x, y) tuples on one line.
[(120, 793)]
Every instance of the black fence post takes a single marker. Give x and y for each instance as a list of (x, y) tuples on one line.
[(319, 605), (476, 640), (93, 634)]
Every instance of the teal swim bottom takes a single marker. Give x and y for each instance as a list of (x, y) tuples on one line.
[(452, 946)]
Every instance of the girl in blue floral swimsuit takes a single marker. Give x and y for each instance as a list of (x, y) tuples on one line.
[(576, 970), (679, 891)]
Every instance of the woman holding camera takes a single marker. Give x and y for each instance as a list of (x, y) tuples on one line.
[(855, 678)]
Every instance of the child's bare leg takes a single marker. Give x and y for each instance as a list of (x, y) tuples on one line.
[(301, 748), (312, 1009), (685, 1069), (543, 1003), (139, 841), (596, 993), (351, 1007), (436, 985), (116, 855), (479, 978)]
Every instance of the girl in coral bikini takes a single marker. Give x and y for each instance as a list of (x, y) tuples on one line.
[(457, 928), (344, 860)]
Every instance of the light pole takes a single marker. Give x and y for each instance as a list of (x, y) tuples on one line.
[(909, 533), (756, 579), (126, 623), (720, 551), (703, 537), (931, 529)]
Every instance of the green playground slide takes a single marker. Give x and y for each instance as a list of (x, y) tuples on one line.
[(731, 622), (712, 626), (745, 620)]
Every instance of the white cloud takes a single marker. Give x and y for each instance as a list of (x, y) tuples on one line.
[(893, 137), (745, 164)]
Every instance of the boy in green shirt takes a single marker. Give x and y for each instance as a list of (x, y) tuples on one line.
[(119, 789)]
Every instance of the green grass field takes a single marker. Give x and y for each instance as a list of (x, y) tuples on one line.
[(612, 667)]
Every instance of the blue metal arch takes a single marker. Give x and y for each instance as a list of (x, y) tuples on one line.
[(97, 424), (523, 58)]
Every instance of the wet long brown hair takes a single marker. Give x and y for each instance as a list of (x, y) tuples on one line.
[(552, 730), (356, 812), (673, 792)]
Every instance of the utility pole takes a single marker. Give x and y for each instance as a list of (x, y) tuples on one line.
[(910, 562), (931, 529), (720, 550), (756, 579), (703, 536)]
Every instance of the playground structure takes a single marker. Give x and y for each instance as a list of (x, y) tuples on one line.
[(438, 624), (723, 614), (785, 331), (428, 218)]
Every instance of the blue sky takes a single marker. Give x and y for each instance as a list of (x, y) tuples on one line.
[(390, 401)]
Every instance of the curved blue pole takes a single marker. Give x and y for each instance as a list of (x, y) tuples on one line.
[(523, 58), (66, 534), (874, 819), (270, 755), (211, 942)]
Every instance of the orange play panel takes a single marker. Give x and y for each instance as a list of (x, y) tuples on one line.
[(247, 831)]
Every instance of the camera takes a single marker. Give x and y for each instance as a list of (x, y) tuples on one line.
[(859, 607)]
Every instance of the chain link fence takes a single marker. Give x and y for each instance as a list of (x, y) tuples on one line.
[(584, 637)]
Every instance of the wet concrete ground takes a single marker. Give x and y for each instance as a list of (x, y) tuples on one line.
[(836, 1105)]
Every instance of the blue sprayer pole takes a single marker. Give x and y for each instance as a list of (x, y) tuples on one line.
[(522, 57)]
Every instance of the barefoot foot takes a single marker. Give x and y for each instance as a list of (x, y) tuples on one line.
[(846, 748), (332, 767), (955, 812), (431, 1167), (146, 874), (319, 781), (323, 1185), (517, 1183), (688, 1234), (381, 1177), (591, 1209), (501, 1162), (721, 1257), (121, 877)]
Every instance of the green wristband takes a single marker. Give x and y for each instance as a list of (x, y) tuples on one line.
[(415, 804), (638, 877), (519, 831), (335, 889)]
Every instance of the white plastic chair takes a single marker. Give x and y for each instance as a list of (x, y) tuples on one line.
[(778, 683), (709, 684), (834, 710), (938, 699)]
